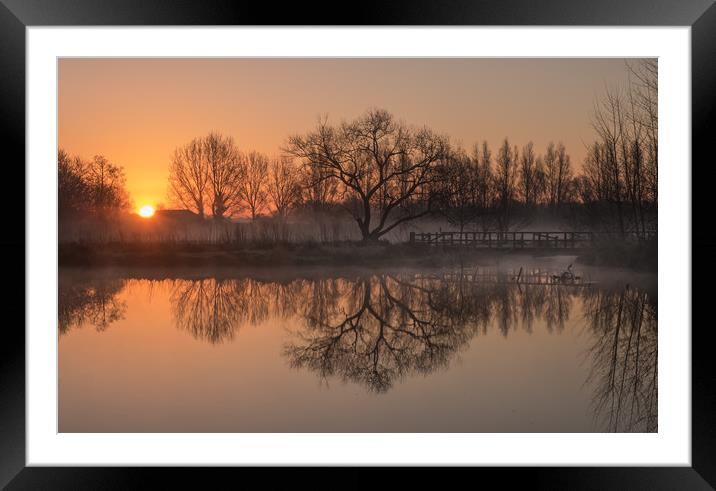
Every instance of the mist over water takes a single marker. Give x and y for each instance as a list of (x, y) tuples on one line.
[(466, 349)]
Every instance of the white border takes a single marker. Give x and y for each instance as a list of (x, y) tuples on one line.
[(670, 446)]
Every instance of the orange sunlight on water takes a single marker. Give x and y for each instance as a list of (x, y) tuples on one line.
[(242, 355)]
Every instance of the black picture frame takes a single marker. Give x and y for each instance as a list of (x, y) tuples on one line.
[(16, 15)]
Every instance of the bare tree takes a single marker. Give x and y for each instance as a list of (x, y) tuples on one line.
[(252, 187), (92, 191), (529, 175), (540, 181), (484, 181), (72, 190), (622, 163), (204, 175), (457, 189), (283, 187), (641, 162), (564, 174), (620, 157), (380, 165), (505, 173), (558, 174), (189, 177), (106, 183), (225, 174), (607, 121), (645, 113)]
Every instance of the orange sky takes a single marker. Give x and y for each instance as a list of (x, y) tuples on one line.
[(136, 111)]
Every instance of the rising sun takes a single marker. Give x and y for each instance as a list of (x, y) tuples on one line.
[(146, 211)]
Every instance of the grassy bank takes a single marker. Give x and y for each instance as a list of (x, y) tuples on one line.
[(340, 254), (378, 255)]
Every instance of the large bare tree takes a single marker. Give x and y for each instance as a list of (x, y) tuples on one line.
[(381, 166)]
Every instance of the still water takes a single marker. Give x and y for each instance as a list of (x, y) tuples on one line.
[(459, 350)]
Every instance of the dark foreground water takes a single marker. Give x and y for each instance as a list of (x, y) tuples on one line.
[(462, 350)]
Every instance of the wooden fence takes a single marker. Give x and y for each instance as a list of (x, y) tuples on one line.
[(520, 240)]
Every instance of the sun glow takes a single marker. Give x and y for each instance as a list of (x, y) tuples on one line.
[(146, 211)]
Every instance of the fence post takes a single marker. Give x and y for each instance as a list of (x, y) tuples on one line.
[(412, 237)]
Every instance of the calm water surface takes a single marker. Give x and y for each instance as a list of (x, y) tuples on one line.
[(463, 350)]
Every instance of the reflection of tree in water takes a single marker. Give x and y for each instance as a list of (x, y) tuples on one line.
[(206, 308), (213, 310), (503, 304), (378, 329), (624, 357), (374, 331), (94, 302), (557, 305)]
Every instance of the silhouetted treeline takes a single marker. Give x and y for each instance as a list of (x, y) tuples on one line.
[(212, 177), (383, 174), (483, 193), (619, 179), (94, 187), (616, 189)]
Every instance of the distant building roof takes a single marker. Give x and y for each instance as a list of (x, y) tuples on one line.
[(178, 215)]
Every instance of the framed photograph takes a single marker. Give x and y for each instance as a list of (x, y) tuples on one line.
[(424, 235)]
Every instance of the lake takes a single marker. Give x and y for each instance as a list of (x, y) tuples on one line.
[(466, 349)]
